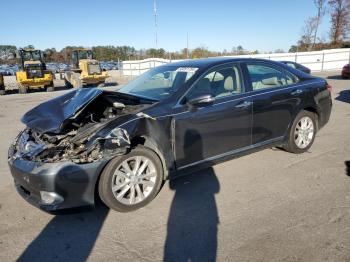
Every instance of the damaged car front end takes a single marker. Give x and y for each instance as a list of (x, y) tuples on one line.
[(57, 159)]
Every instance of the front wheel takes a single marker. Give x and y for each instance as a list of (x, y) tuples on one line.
[(22, 89), (50, 87), (302, 133), (131, 181)]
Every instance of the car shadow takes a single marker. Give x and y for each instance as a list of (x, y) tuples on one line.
[(347, 169), (69, 236), (192, 226), (193, 218), (335, 77), (344, 96)]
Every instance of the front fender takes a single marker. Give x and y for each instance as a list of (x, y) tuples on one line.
[(156, 134)]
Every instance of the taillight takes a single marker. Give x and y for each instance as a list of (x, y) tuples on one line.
[(329, 87)]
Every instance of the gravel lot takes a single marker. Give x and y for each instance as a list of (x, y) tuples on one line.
[(267, 206)]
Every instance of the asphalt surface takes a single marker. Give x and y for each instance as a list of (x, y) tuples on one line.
[(267, 206)]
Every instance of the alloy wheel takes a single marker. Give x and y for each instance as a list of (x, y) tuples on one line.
[(133, 180), (304, 132)]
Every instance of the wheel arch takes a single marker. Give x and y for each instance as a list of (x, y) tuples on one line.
[(314, 110), (152, 145), (135, 141)]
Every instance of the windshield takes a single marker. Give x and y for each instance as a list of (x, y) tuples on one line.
[(84, 54), (31, 55), (159, 83)]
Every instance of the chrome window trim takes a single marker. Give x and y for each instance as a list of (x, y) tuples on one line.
[(267, 91)]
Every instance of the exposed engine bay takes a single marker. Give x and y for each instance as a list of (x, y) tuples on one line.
[(83, 137)]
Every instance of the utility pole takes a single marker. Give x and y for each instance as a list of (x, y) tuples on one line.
[(155, 22)]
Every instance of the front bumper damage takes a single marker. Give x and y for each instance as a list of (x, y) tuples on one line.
[(57, 159), (69, 185), (53, 185)]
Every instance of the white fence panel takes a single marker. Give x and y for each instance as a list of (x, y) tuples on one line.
[(333, 59)]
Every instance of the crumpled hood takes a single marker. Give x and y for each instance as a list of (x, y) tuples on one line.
[(49, 116)]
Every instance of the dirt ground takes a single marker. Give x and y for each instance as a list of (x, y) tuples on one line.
[(267, 206)]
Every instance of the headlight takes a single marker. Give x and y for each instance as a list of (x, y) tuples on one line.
[(24, 146)]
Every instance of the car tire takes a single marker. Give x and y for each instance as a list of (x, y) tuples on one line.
[(76, 81), (302, 133), (116, 183), (50, 89)]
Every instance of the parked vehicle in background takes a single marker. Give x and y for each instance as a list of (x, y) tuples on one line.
[(6, 72), (33, 73), (171, 120), (297, 66), (53, 67), (109, 66), (8, 69), (345, 73)]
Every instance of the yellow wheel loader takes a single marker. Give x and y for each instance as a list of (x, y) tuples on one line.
[(2, 85), (86, 71), (33, 73)]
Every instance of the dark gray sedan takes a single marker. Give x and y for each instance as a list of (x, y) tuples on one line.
[(169, 121)]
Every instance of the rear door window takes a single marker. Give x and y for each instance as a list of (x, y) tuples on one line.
[(263, 77), (292, 65)]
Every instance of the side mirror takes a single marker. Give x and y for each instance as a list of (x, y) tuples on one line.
[(202, 100), (166, 75)]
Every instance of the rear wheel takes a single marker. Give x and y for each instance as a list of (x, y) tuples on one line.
[(302, 133), (50, 87), (76, 81), (131, 181)]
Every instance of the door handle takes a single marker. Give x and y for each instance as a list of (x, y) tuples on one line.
[(296, 92), (244, 104)]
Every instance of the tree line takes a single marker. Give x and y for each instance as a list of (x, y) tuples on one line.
[(121, 53), (339, 27)]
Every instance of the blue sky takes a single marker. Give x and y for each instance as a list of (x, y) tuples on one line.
[(265, 25)]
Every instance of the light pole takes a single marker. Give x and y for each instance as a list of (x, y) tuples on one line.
[(187, 51), (155, 22)]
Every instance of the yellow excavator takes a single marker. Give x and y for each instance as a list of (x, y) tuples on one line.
[(86, 71), (2, 85), (33, 73)]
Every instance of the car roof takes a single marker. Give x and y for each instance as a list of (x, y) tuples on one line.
[(212, 61), (206, 63), (285, 61)]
